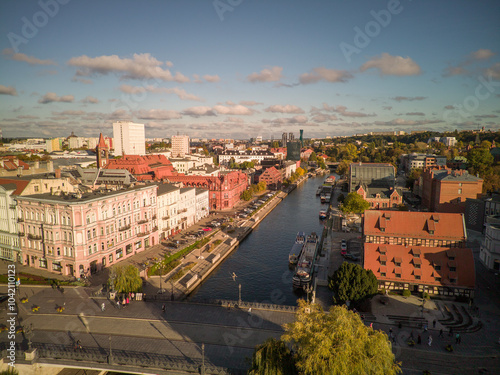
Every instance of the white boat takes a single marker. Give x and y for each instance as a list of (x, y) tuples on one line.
[(320, 189), (303, 274), (322, 214), (294, 255)]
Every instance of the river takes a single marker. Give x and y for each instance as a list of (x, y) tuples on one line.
[(261, 261)]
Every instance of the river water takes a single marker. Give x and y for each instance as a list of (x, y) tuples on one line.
[(261, 261)]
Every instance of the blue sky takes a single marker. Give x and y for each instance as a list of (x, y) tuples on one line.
[(244, 68)]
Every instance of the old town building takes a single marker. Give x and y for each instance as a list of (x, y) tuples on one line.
[(78, 234), (272, 177), (380, 197), (418, 251)]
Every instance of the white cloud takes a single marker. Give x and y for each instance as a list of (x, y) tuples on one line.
[(403, 122), (90, 100), (324, 118), (392, 65), (415, 114), (482, 54), (157, 114), (233, 110), (141, 66), (10, 90), (69, 113), (266, 75), (181, 93), (300, 119), (209, 78), (250, 102), (199, 111), (52, 97), (451, 71), (238, 120), (324, 74), (494, 71), (342, 110), (28, 59), (408, 98), (284, 109)]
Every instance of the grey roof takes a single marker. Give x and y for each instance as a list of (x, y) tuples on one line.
[(457, 177), (85, 197), (166, 188)]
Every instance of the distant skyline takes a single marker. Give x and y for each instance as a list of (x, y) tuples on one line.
[(242, 69)]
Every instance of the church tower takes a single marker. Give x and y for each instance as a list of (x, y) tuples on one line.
[(102, 152)]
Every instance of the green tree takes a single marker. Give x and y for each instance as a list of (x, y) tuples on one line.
[(351, 152), (354, 203), (125, 279), (343, 168), (272, 358), (351, 282), (313, 157), (479, 159), (414, 175), (300, 171), (246, 195), (338, 343)]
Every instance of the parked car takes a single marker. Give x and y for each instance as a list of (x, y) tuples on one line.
[(352, 257), (343, 245)]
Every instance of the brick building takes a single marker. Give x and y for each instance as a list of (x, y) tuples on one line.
[(272, 177), (144, 167), (380, 198), (419, 251), (445, 190)]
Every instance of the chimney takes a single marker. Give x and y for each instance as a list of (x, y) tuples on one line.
[(58, 173)]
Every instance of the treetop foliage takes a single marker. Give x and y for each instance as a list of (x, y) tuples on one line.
[(351, 282)]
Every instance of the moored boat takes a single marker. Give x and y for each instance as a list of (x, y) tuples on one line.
[(303, 274), (330, 180), (322, 214), (319, 190), (294, 255)]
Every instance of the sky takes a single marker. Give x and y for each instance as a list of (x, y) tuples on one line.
[(248, 68)]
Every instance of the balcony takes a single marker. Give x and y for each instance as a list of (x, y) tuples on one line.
[(154, 229), (183, 210), (21, 234), (126, 227), (144, 221), (184, 219), (34, 237), (154, 217), (143, 234), (166, 229), (12, 206), (165, 217), (20, 220)]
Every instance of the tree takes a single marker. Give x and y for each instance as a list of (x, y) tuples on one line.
[(343, 168), (354, 203), (341, 198), (350, 282), (414, 175), (300, 171), (313, 157), (272, 358), (338, 343), (246, 195), (479, 159), (125, 279)]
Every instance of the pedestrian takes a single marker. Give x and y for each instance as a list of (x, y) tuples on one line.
[(371, 325), (250, 311), (441, 333), (430, 340), (434, 323), (390, 332), (163, 308), (419, 339), (118, 304), (425, 327), (103, 306), (457, 338), (128, 301)]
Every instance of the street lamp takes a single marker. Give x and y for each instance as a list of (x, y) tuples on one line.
[(239, 294)]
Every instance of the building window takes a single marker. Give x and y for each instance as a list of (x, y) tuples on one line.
[(398, 264), (382, 274), (88, 235), (417, 277), (382, 262), (90, 249), (110, 258), (93, 233), (103, 261), (417, 265), (437, 278), (398, 275), (119, 253), (437, 267), (453, 269), (43, 263), (453, 280), (459, 191)]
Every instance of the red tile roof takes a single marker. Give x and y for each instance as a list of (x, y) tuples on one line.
[(463, 262), (414, 225), (20, 184)]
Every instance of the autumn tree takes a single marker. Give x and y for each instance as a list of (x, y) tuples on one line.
[(351, 282), (480, 160), (338, 343), (343, 168), (354, 203), (125, 279)]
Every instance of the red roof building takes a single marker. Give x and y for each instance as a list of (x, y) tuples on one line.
[(272, 177), (419, 251), (225, 189)]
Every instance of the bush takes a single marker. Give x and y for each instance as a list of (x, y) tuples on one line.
[(406, 293), (425, 295)]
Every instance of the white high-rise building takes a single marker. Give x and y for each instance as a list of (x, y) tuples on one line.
[(180, 145), (129, 138)]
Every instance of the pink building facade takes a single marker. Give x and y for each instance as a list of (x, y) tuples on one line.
[(79, 235)]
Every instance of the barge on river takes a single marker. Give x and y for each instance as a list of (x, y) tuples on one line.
[(294, 255), (305, 266)]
